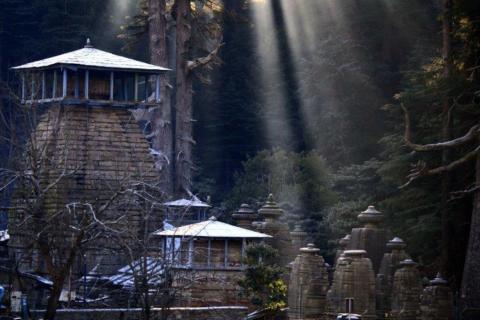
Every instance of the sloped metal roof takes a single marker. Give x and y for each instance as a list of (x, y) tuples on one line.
[(194, 202), (211, 229), (93, 58), (125, 276)]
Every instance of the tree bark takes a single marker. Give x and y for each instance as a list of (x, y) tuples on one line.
[(183, 107), (161, 117), (52, 304), (470, 292), (446, 136)]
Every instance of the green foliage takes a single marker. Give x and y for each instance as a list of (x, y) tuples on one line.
[(263, 278), (300, 183)]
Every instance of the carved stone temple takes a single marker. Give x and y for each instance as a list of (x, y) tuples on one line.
[(308, 285), (353, 278), (406, 292), (245, 216), (371, 237), (344, 242), (298, 237), (390, 264), (437, 300), (272, 225), (89, 143)]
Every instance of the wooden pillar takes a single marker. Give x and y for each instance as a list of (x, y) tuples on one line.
[(54, 88), (32, 93), (43, 85), (164, 249), (225, 261), (172, 248), (209, 253), (64, 83), (77, 85), (190, 252), (23, 86), (87, 87), (146, 88), (112, 80), (157, 88), (135, 90), (244, 244), (125, 89)]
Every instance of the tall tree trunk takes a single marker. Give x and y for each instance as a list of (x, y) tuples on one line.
[(470, 292), (52, 303), (446, 136), (161, 117), (183, 118)]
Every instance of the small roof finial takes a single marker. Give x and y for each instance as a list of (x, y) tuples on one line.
[(88, 44)]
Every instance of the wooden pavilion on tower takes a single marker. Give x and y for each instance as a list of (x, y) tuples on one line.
[(90, 76)]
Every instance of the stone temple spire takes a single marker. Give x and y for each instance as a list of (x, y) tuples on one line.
[(371, 237), (344, 242), (390, 264), (276, 228), (437, 300), (298, 237), (353, 278), (308, 285), (245, 216), (407, 288)]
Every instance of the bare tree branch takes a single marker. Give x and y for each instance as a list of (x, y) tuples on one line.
[(421, 170), (202, 61), (469, 136)]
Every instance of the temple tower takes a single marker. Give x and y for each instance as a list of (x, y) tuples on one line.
[(91, 152), (298, 237), (390, 264), (406, 291), (276, 228), (308, 285), (371, 237), (353, 279), (245, 216), (344, 242), (437, 300)]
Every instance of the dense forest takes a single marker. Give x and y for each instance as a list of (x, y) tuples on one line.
[(329, 105)]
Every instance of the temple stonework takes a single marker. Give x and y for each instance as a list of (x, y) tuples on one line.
[(406, 292), (308, 286), (280, 234), (353, 278), (371, 237)]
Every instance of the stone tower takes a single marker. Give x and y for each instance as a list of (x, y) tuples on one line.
[(298, 237), (308, 286), (276, 228), (344, 242), (353, 278), (406, 291), (92, 158), (245, 216), (390, 264), (371, 237), (437, 300)]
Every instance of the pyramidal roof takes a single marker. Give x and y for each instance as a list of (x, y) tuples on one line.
[(211, 229), (193, 202), (93, 58)]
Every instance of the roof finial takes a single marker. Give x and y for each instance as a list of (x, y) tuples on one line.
[(88, 44)]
